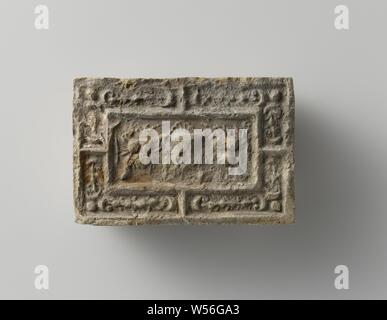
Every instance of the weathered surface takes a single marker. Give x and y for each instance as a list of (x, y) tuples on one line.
[(112, 187)]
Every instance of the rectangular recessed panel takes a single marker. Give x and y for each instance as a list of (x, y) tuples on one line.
[(188, 150), (186, 176)]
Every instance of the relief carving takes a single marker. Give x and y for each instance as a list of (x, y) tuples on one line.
[(216, 203), (93, 176), (138, 203), (92, 130), (112, 186)]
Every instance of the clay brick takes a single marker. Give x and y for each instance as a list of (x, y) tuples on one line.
[(112, 187)]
